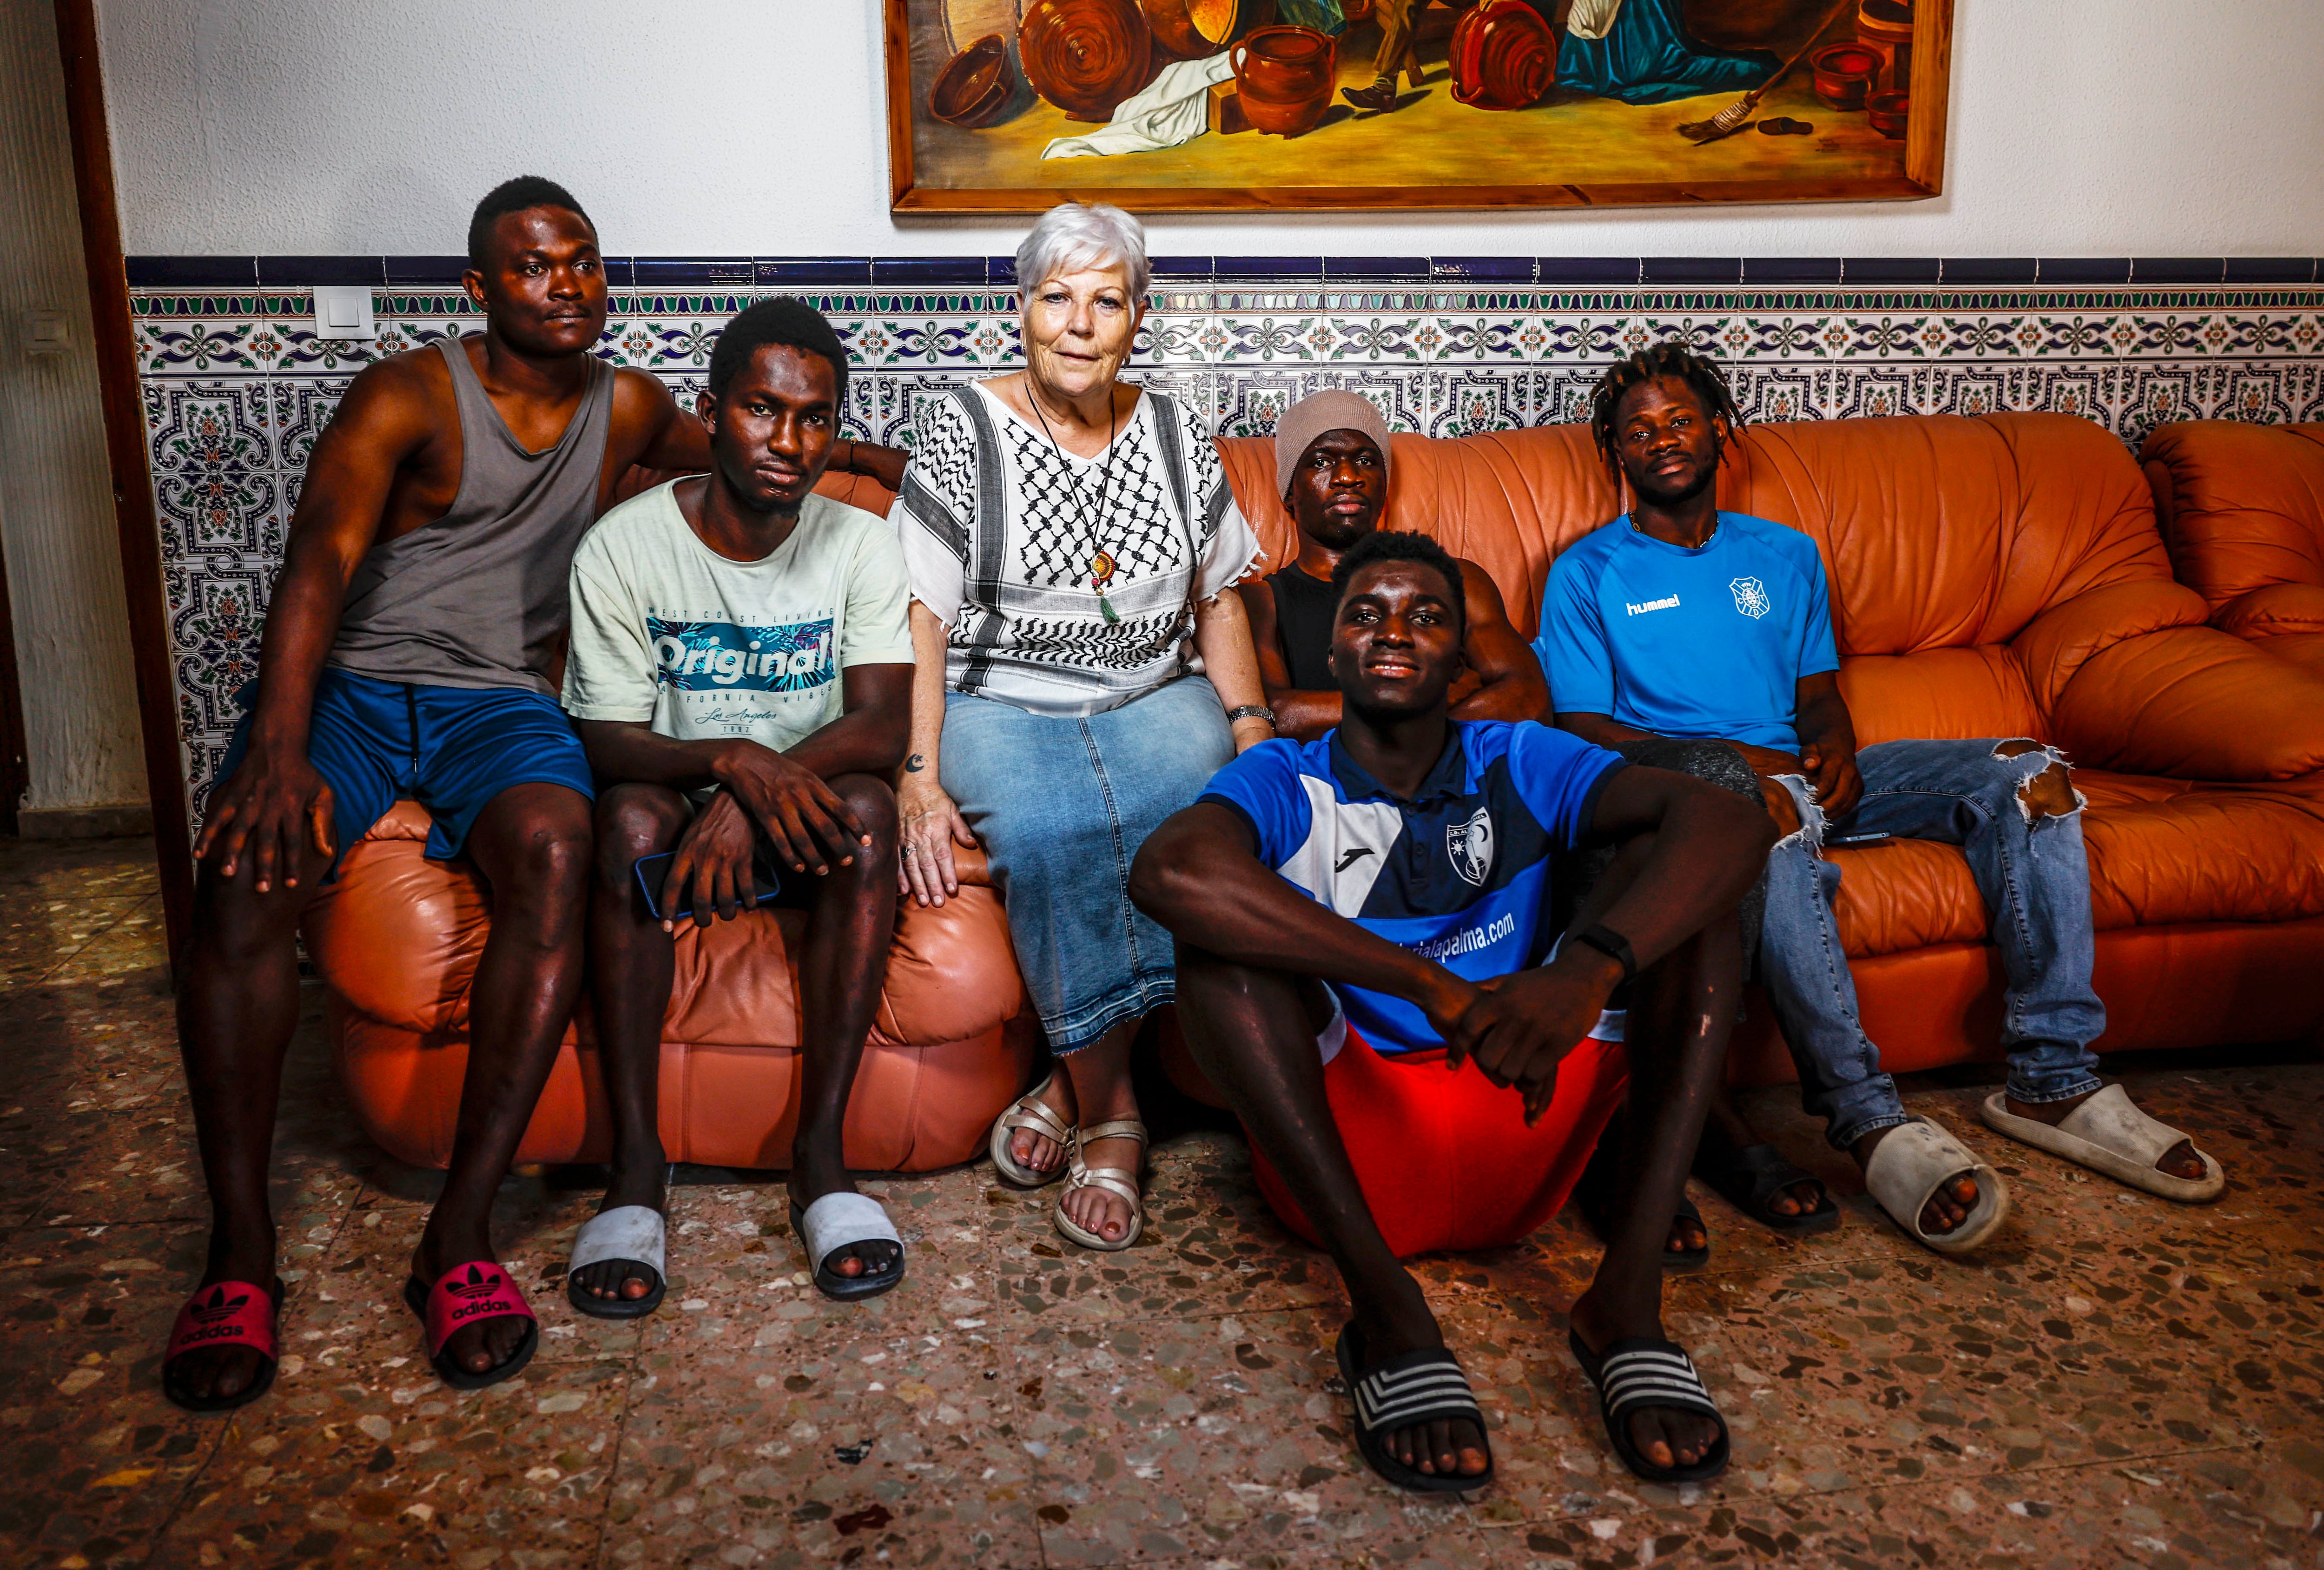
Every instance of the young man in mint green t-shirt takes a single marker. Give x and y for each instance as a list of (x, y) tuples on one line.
[(740, 674)]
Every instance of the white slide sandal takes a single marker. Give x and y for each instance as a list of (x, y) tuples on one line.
[(2108, 1133), (634, 1234), (836, 1222), (1912, 1163)]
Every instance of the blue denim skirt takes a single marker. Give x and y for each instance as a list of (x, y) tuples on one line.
[(1061, 806)]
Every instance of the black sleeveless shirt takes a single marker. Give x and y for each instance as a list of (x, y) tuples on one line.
[(1303, 606)]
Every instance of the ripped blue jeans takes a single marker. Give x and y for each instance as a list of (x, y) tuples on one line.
[(2034, 874)]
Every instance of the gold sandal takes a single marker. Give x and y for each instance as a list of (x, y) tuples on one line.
[(1029, 1111), (1122, 1181)]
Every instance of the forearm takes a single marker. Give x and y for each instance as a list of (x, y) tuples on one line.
[(926, 733), (862, 741), (1599, 730), (1222, 638), (883, 464), (1303, 716), (1706, 853), (626, 750), (301, 624), (1504, 698), (1823, 721), (1217, 896)]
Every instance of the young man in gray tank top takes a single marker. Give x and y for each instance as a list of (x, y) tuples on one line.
[(408, 652), (1332, 458)]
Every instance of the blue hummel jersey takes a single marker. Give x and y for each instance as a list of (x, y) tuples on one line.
[(1459, 874), (1706, 642)]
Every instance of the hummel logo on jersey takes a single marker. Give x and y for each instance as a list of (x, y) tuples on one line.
[(1668, 602), (1349, 859)]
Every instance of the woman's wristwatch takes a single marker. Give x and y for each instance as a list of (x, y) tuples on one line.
[(1252, 711)]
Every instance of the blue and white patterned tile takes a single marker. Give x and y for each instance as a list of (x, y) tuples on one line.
[(303, 406), (208, 425), (1470, 400)]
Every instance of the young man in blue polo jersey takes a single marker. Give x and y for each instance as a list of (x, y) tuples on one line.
[(1362, 919), (1679, 620)]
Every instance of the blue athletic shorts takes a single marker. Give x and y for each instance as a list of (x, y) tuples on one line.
[(451, 749)]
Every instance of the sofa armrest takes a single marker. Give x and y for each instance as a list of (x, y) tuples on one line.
[(2192, 703), (2057, 643), (2273, 609)]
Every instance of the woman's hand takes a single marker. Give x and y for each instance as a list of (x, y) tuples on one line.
[(929, 824)]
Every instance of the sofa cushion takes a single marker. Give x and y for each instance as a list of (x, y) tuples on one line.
[(952, 974), (2241, 506)]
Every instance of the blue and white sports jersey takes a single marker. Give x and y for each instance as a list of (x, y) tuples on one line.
[(1708, 643), (1460, 873)]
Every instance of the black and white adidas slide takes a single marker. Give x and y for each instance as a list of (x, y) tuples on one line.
[(1425, 1386), (1638, 1371)]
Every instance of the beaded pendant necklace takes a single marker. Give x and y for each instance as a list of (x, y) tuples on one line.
[(1101, 565)]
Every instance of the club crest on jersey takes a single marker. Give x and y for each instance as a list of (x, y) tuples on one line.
[(1750, 597), (1470, 844)]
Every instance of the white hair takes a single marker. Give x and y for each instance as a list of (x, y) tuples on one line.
[(1072, 236)]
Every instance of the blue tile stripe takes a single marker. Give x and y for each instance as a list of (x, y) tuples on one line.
[(911, 271)]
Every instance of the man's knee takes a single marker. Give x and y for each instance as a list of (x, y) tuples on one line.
[(631, 821), (873, 802), (1712, 760), (546, 849), (2050, 793)]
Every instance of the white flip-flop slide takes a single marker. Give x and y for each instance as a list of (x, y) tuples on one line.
[(835, 1222), (635, 1234), (1917, 1160), (2108, 1133)]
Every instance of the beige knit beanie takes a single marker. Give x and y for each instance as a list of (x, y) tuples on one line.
[(1317, 413)]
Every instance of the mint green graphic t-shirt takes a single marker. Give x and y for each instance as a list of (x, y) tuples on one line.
[(666, 630)]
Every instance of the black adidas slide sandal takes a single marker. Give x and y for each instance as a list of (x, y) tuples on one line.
[(1638, 1371), (1425, 1386)]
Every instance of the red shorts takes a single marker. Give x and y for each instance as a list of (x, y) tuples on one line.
[(1444, 1156)]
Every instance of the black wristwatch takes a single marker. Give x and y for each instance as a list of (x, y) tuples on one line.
[(1252, 711), (1612, 943)]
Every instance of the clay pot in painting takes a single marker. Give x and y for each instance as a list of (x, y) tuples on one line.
[(1843, 73), (974, 88), (1285, 76), (1503, 55), (1086, 56), (1887, 112)]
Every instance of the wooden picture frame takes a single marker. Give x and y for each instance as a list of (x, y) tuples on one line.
[(1614, 152)]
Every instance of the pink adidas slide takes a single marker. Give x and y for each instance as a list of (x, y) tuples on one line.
[(225, 1313), (470, 1294)]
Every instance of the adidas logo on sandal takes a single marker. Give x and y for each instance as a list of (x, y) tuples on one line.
[(219, 1307)]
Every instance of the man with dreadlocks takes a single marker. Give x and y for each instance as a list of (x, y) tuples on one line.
[(1679, 620)]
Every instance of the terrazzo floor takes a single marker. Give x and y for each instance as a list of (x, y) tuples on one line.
[(2120, 1382)]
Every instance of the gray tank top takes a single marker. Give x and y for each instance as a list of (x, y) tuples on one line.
[(477, 599)]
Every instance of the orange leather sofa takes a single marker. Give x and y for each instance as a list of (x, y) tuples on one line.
[(1993, 577), (397, 940), (2241, 510)]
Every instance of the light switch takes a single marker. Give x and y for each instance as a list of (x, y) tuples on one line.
[(343, 312), (46, 332)]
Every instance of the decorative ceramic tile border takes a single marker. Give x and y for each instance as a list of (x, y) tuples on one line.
[(237, 386)]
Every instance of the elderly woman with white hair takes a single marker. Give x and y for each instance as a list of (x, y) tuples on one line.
[(1081, 674)]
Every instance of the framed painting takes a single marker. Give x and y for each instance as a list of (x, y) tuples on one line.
[(1165, 105)]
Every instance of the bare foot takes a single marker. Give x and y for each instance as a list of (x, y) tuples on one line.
[(1667, 1437), (2179, 1161), (1037, 1152), (486, 1344), (1947, 1208), (1454, 1448), (635, 1181)]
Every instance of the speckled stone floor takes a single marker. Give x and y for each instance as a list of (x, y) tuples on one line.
[(2120, 1382)]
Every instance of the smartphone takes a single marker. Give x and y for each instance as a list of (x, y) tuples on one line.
[(654, 871), (1856, 836)]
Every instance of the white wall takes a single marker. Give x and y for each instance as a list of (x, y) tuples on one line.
[(755, 127), (56, 493)]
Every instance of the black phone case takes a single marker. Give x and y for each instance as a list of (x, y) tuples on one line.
[(763, 873)]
